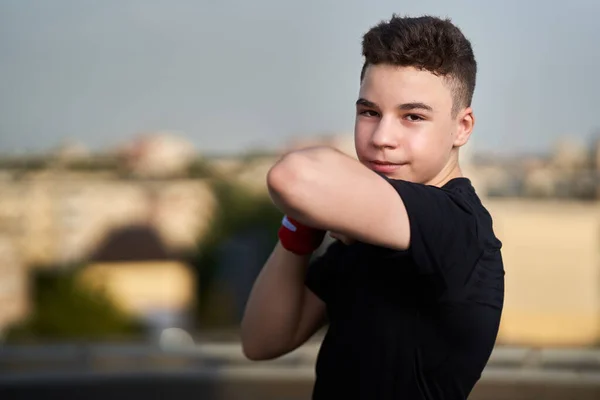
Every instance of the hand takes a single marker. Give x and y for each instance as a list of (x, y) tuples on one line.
[(299, 238), (342, 238)]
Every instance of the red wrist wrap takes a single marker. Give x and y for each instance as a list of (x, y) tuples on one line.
[(299, 239)]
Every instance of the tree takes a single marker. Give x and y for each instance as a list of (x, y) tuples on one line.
[(238, 211), (63, 309)]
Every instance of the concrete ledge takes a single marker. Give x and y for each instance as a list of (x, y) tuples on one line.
[(230, 355), (259, 373)]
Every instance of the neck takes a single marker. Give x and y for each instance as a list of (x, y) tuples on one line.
[(450, 171)]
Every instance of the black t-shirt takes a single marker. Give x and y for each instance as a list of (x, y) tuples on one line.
[(414, 324)]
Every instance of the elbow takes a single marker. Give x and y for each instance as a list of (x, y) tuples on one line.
[(253, 353), (293, 177), (259, 346), (253, 348), (257, 352), (284, 176)]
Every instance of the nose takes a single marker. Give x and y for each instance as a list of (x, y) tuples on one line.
[(385, 136)]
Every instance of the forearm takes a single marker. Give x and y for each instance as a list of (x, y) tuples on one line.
[(330, 191), (274, 309)]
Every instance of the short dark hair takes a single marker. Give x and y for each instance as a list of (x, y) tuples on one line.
[(428, 43)]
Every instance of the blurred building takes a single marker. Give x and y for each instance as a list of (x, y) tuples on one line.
[(71, 151), (540, 182), (569, 171), (135, 268), (59, 217), (252, 172), (342, 141), (570, 155), (14, 286), (158, 155), (552, 262)]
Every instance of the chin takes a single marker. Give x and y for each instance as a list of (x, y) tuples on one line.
[(406, 177), (397, 176), (402, 173)]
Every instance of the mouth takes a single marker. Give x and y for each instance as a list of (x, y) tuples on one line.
[(383, 166)]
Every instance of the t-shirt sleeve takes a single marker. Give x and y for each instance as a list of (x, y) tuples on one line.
[(321, 272), (443, 229)]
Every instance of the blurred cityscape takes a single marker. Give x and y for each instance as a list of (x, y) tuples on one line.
[(132, 226), (153, 243), (127, 255), (167, 237)]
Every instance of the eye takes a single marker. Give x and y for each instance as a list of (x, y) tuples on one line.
[(414, 118), (368, 113)]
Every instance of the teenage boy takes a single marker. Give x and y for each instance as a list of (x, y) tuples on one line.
[(413, 289)]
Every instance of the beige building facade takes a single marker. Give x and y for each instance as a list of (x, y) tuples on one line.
[(60, 218), (551, 253), (144, 287), (14, 286)]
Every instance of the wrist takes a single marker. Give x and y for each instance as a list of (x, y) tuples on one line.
[(299, 238)]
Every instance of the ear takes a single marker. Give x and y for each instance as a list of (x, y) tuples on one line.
[(465, 121)]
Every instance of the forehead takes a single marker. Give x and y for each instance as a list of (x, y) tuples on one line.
[(389, 86)]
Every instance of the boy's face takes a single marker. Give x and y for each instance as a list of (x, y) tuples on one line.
[(404, 125)]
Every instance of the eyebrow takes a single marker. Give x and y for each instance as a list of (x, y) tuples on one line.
[(403, 107)]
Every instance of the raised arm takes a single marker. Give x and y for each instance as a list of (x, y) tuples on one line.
[(324, 188)]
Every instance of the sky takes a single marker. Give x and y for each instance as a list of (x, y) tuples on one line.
[(232, 75)]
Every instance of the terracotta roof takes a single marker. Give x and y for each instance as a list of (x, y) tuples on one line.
[(132, 243)]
